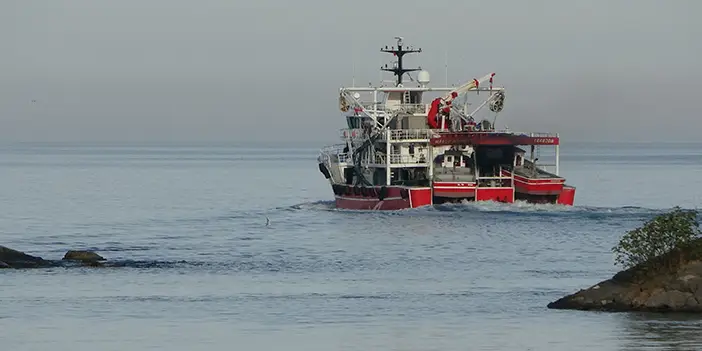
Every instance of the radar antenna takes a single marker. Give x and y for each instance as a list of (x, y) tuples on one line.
[(398, 70)]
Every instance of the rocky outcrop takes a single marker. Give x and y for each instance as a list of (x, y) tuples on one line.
[(84, 256), (668, 283), (10, 258)]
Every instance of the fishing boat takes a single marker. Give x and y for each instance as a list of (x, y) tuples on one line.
[(402, 148)]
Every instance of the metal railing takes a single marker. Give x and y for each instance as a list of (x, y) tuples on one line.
[(548, 135), (395, 134), (410, 108), (343, 158), (496, 180), (397, 159), (380, 159), (410, 134), (507, 131), (334, 154), (406, 159), (332, 149), (401, 107), (352, 133)]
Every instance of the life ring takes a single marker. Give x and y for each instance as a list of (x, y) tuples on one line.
[(382, 193)]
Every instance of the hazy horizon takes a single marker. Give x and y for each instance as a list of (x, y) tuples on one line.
[(179, 71)]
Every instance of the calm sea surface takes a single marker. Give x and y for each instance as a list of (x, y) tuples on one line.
[(202, 271)]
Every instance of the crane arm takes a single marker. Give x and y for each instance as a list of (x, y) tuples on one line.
[(443, 104)]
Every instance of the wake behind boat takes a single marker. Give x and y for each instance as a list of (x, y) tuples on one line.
[(400, 152)]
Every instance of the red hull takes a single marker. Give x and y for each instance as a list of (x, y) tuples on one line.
[(450, 192), (454, 189), (501, 194), (542, 190), (381, 198), (400, 197), (567, 196), (494, 138), (536, 186)]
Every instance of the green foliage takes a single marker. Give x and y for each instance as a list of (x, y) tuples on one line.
[(657, 236)]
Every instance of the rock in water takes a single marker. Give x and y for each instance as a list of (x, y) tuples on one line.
[(83, 256), (669, 283), (17, 259)]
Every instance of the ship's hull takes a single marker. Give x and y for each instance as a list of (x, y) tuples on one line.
[(380, 197), (400, 197), (542, 189)]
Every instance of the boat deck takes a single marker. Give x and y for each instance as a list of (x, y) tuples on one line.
[(446, 174), (528, 170)]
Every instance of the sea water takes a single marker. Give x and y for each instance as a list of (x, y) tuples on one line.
[(202, 270)]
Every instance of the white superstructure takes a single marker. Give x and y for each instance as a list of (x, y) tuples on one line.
[(389, 127)]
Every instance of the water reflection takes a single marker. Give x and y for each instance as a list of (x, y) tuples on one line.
[(658, 331)]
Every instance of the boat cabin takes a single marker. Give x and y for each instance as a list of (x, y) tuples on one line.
[(454, 158)]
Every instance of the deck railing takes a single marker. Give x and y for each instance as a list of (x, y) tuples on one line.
[(410, 134), (408, 108), (406, 159), (334, 154), (395, 134), (493, 131), (545, 135), (426, 134), (353, 133), (397, 159)]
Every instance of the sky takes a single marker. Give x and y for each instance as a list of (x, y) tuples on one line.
[(265, 71)]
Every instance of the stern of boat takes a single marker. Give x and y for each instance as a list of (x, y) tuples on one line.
[(567, 196)]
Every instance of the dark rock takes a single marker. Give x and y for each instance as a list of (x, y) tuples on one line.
[(668, 283), (10, 258), (17, 259), (83, 256), (93, 264)]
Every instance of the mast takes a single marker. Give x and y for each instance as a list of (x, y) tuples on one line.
[(398, 70)]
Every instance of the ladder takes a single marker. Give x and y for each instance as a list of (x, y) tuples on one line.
[(406, 97)]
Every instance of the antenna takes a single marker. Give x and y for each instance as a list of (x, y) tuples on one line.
[(353, 62), (446, 66), (397, 67), (353, 71)]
